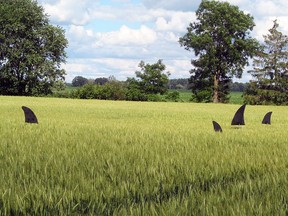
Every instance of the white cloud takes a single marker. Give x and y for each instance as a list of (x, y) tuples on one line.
[(265, 23), (79, 32), (100, 67), (178, 21), (120, 68), (124, 67), (270, 8), (127, 36), (69, 11), (178, 68), (83, 67), (104, 14)]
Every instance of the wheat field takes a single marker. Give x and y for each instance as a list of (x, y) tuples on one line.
[(92, 157)]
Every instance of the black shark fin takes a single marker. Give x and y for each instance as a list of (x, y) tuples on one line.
[(217, 127), (30, 117), (267, 118), (238, 118)]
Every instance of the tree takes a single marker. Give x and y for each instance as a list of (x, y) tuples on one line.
[(31, 50), (270, 71), (153, 79), (220, 38), (79, 81), (101, 81)]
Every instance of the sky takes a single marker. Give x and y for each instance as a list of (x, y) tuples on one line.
[(111, 37)]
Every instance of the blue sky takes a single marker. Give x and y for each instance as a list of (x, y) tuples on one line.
[(111, 37)]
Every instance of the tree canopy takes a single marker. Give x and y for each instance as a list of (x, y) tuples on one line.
[(79, 81), (31, 49), (152, 78), (220, 39), (101, 80)]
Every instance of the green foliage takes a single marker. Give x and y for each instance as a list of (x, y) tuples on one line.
[(270, 72), (238, 87), (79, 81), (236, 98), (88, 91), (178, 83), (220, 38), (90, 157), (260, 96), (101, 81), (154, 97), (134, 93), (153, 80), (203, 96), (31, 50), (185, 95), (113, 90), (173, 96)]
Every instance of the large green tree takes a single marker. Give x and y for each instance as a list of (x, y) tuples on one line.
[(152, 78), (220, 39), (270, 71), (31, 49)]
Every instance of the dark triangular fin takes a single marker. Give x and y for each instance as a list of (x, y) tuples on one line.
[(239, 116), (30, 117), (267, 118), (217, 127)]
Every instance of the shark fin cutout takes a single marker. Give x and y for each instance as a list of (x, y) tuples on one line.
[(238, 118), (217, 127), (267, 118), (30, 117)]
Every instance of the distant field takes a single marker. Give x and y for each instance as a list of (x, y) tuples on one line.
[(90, 157), (235, 97), (185, 95)]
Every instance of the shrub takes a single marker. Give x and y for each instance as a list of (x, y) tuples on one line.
[(134, 94), (154, 97), (202, 96), (173, 96)]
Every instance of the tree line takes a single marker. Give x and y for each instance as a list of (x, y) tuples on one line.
[(78, 81), (173, 84), (150, 82), (32, 51)]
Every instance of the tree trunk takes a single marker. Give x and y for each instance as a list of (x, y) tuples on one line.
[(216, 86)]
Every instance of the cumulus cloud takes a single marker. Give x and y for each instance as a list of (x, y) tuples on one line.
[(178, 21), (93, 68), (127, 36), (69, 11), (178, 68), (80, 33), (80, 41)]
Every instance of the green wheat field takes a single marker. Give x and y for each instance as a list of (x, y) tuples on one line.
[(91, 157)]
